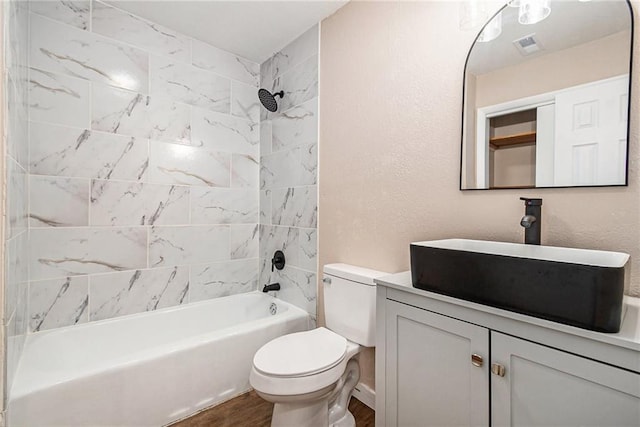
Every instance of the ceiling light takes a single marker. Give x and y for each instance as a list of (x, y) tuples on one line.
[(533, 11), (492, 30), (473, 14)]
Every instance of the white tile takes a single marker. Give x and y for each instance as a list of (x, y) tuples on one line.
[(188, 84), (63, 151), (289, 168), (72, 12), (222, 132), (245, 171), (17, 114), (244, 241), (135, 203), (295, 207), (129, 113), (182, 164), (63, 49), (300, 84), (265, 137), (16, 268), (296, 126), (276, 238), (224, 63), (266, 73), (17, 199), (57, 303), (18, 139), (181, 245), (138, 291), (223, 278), (58, 202), (223, 205), (308, 259), (281, 169), (308, 165), (298, 287), (295, 52), (265, 206), (58, 99), (120, 25), (17, 33), (245, 102), (59, 252)]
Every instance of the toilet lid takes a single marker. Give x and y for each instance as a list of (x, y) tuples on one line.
[(301, 353)]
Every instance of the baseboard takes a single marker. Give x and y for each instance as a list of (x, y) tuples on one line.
[(366, 395)]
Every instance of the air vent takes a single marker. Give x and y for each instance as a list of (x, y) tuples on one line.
[(528, 44)]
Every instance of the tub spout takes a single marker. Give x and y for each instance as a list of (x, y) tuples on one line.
[(271, 287)]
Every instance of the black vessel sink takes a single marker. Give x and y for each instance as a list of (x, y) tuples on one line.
[(578, 287)]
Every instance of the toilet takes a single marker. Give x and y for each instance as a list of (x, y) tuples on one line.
[(310, 376)]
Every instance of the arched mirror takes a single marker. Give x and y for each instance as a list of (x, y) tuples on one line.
[(546, 96)]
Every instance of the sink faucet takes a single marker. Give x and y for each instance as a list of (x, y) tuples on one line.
[(532, 220)]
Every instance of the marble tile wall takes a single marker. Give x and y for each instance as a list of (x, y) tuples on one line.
[(144, 173), (14, 74), (288, 171)]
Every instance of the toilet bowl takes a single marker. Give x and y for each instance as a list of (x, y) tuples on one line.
[(310, 376)]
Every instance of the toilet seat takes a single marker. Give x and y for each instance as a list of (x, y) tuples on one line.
[(300, 363), (301, 354)]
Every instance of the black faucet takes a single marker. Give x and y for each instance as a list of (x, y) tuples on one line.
[(271, 287), (532, 220)]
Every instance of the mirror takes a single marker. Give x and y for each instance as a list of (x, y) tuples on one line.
[(545, 104)]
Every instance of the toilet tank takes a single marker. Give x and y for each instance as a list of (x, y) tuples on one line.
[(350, 302)]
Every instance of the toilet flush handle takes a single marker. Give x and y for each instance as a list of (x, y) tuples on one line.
[(326, 280)]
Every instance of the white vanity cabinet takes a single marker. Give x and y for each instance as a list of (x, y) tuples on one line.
[(442, 387), (543, 386), (441, 361)]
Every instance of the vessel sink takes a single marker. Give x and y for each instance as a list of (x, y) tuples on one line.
[(577, 287)]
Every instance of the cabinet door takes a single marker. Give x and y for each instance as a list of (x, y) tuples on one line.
[(542, 386), (430, 378)]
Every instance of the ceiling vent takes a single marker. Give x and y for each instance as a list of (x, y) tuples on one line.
[(528, 44)]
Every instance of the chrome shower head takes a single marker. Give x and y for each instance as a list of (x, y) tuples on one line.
[(268, 99)]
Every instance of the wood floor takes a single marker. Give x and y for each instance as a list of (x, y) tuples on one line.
[(251, 410)]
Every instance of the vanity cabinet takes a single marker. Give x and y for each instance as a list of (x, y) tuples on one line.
[(439, 364), (542, 386), (444, 386)]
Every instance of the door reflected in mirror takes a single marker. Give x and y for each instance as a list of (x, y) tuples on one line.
[(546, 104)]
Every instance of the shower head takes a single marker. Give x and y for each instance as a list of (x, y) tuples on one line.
[(268, 99)]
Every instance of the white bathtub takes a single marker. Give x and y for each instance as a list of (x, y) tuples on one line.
[(147, 369)]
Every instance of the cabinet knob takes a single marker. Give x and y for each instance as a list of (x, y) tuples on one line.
[(497, 369), (476, 360)]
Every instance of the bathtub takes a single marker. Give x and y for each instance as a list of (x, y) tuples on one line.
[(146, 369)]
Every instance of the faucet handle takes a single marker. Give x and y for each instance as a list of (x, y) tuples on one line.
[(277, 261), (531, 202)]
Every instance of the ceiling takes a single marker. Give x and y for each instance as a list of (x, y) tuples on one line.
[(569, 24), (252, 29)]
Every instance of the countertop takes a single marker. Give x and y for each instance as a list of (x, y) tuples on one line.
[(628, 337)]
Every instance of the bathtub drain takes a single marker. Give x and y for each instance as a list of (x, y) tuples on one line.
[(273, 308)]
